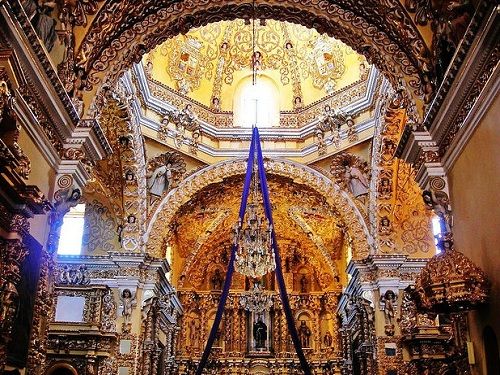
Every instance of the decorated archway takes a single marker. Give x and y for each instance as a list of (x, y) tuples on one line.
[(121, 33), (351, 217)]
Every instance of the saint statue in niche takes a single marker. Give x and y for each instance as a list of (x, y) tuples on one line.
[(358, 183), (327, 339), (389, 299), (128, 302), (216, 280), (303, 284), (304, 334), (260, 333), (160, 180)]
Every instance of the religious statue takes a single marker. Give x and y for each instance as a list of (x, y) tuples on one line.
[(357, 181), (64, 202), (81, 277), (128, 302), (320, 136), (303, 284), (131, 223), (160, 180), (389, 300), (193, 329), (186, 116), (388, 150), (38, 13), (385, 227), (74, 276), (216, 280), (215, 103), (64, 276), (260, 333), (257, 62), (384, 188), (327, 339), (129, 176), (304, 334), (439, 203), (297, 102)]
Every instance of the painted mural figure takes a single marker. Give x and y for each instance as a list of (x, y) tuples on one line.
[(260, 333)]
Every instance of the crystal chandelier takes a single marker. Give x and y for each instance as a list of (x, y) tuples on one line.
[(256, 300), (254, 255)]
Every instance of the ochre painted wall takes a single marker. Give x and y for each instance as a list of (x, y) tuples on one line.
[(475, 197), (42, 176)]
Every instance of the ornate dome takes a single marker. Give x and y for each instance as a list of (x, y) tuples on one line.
[(209, 64)]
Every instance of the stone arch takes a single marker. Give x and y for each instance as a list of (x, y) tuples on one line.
[(122, 32), (343, 202)]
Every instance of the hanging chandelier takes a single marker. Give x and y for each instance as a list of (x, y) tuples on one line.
[(256, 300), (254, 255)]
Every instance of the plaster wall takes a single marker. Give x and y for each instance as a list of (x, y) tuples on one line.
[(43, 176), (474, 189)]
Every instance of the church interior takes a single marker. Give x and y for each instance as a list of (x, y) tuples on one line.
[(249, 187)]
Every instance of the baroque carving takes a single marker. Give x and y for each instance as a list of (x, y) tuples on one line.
[(99, 231), (350, 172), (9, 132), (164, 173), (302, 116), (102, 46), (169, 205), (451, 282)]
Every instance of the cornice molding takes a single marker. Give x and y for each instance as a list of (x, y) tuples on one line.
[(157, 105), (43, 83), (207, 153), (468, 89)]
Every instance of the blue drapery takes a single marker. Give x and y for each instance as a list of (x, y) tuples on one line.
[(255, 151)]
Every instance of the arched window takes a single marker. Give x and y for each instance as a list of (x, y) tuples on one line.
[(256, 104), (70, 241), (436, 230)]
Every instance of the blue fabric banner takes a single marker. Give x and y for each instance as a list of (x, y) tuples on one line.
[(255, 151)]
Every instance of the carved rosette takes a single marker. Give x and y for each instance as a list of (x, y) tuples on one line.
[(451, 282)]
